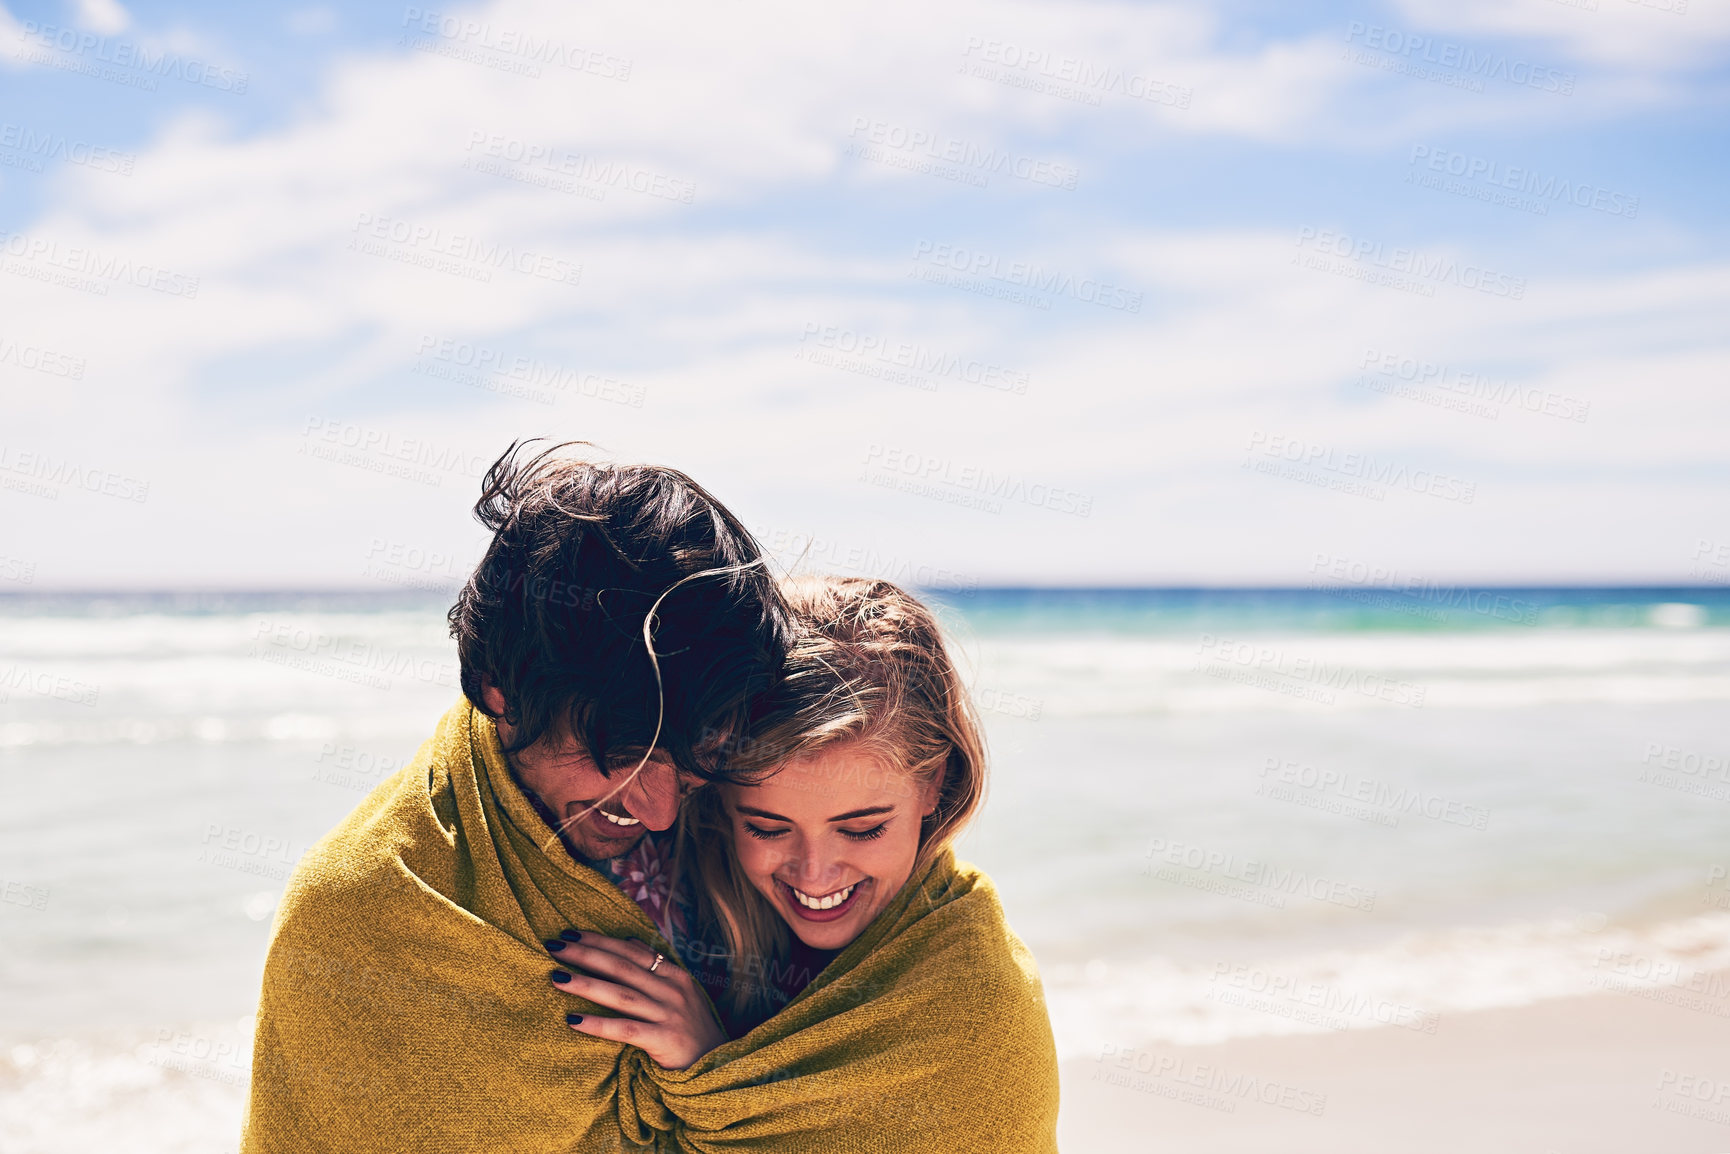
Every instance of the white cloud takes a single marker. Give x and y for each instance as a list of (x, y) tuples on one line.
[(702, 306), (103, 17), (1657, 37)]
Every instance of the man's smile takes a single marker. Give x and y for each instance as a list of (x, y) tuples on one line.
[(609, 823), (622, 818)]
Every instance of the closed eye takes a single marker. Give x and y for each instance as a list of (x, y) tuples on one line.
[(763, 834), (871, 834)]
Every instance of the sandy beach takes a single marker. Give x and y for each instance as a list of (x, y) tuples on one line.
[(1603, 1074)]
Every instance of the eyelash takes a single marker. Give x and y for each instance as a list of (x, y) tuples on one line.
[(871, 834)]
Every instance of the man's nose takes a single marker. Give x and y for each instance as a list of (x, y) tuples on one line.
[(654, 797)]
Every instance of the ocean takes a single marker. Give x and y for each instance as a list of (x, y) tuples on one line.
[(1213, 813)]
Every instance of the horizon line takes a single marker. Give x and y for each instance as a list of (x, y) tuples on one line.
[(376, 591)]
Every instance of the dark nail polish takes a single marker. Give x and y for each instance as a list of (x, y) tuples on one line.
[(573, 1019), (553, 945), (570, 935), (561, 977)]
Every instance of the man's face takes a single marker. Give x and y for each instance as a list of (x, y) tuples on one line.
[(597, 816)]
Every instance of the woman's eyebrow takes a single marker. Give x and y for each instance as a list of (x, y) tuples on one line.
[(853, 813), (870, 811), (763, 813)]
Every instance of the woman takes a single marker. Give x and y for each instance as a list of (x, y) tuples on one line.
[(849, 942)]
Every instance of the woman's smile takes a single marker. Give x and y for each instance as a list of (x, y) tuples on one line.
[(829, 907)]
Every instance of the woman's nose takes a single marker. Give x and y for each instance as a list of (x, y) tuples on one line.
[(812, 869)]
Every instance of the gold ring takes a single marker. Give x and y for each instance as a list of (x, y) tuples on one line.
[(657, 964)]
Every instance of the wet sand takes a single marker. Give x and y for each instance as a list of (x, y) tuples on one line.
[(1605, 1074)]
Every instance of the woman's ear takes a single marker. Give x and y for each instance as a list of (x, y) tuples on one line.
[(929, 794), (492, 699)]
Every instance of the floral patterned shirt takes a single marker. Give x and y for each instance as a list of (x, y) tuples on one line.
[(645, 874)]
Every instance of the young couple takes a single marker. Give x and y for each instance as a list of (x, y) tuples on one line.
[(722, 806)]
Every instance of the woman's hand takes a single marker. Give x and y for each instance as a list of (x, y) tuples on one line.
[(663, 1011)]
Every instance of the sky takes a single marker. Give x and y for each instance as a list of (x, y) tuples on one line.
[(1231, 293)]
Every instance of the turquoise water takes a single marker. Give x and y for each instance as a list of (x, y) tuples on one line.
[(1400, 606)]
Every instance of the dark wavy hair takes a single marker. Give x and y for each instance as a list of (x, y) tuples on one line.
[(620, 605)]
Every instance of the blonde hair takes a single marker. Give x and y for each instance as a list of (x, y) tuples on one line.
[(867, 664)]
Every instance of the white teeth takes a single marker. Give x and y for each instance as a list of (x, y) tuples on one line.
[(621, 820), (827, 903)]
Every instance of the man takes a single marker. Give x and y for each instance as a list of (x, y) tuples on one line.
[(613, 641), (604, 733)]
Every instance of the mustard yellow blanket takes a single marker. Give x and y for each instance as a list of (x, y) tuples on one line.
[(406, 1005)]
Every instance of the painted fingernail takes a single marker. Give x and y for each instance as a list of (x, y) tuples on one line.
[(561, 977), (570, 935), (573, 1019), (553, 945)]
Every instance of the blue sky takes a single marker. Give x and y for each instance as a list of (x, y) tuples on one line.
[(1044, 293)]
